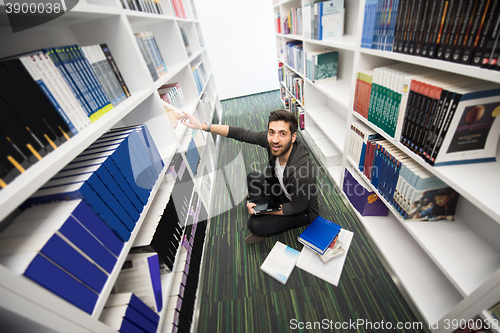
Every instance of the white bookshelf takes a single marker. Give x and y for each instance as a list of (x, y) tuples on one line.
[(25, 305), (447, 270)]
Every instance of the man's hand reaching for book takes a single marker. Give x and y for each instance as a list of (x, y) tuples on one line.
[(190, 121)]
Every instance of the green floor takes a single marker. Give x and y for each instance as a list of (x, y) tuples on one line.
[(236, 296)]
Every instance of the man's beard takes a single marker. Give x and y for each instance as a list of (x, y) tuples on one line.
[(283, 150)]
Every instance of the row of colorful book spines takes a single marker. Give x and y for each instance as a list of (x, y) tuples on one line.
[(389, 175), (104, 177), (147, 6), (374, 22), (174, 96), (151, 54), (180, 311), (293, 22), (295, 86)]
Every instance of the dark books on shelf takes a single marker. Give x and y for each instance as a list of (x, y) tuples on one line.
[(452, 30), (319, 234), (147, 6)]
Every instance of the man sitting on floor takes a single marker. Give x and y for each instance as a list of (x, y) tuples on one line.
[(289, 179)]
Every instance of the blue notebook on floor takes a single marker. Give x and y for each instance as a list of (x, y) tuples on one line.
[(319, 234)]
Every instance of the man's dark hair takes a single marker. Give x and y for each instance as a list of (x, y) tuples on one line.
[(286, 116)]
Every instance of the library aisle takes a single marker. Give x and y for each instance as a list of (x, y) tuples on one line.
[(236, 296)]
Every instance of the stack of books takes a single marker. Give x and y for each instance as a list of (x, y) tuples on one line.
[(172, 94), (140, 274), (199, 76), (47, 97), (442, 117), (323, 19), (180, 304), (294, 55), (65, 247), (319, 235), (461, 32), (292, 24), (125, 312), (113, 176), (321, 66), (151, 54), (161, 231), (147, 6)]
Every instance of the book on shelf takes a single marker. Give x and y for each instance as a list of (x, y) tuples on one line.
[(294, 55), (319, 234), (185, 39), (321, 66), (172, 94), (330, 271), (147, 6), (179, 8), (362, 92), (295, 85), (151, 54), (277, 23), (119, 316), (332, 19), (362, 198), (451, 30), (199, 75), (105, 73), (131, 300), (292, 24), (280, 262), (140, 275)]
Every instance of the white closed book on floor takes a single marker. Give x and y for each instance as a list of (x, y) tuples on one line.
[(331, 270), (280, 262)]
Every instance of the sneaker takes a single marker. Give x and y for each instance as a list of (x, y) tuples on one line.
[(253, 238)]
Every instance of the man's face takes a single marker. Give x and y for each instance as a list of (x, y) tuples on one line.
[(280, 138)]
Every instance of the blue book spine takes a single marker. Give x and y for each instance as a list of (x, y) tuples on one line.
[(69, 82), (73, 262), (117, 192), (86, 242), (139, 167), (77, 80), (128, 327), (56, 105), (141, 321), (140, 306), (76, 62), (392, 25), (102, 191), (124, 185), (154, 269), (53, 278), (96, 227), (127, 174)]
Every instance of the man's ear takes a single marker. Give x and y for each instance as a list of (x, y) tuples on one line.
[(294, 136)]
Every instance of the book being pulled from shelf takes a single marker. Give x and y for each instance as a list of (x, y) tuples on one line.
[(147, 6), (151, 54), (173, 113), (463, 32), (280, 262)]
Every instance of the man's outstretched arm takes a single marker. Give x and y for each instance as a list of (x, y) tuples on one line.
[(194, 123)]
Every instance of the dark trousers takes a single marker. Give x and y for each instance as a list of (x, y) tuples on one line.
[(260, 187)]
